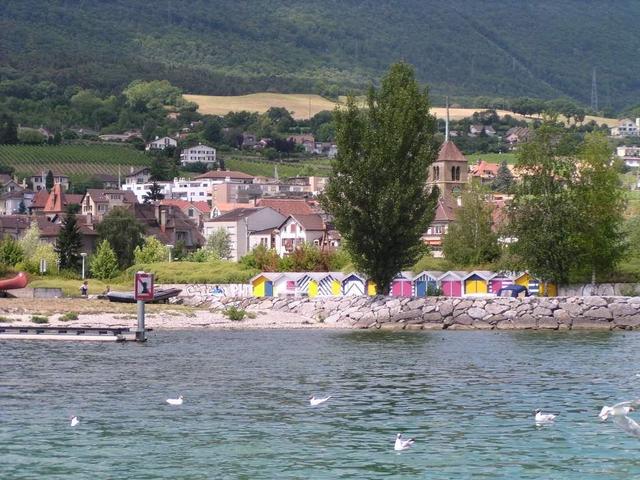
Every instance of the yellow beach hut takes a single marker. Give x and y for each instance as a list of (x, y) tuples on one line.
[(535, 286), (330, 284), (477, 282), (262, 284)]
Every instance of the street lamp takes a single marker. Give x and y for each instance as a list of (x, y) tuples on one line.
[(83, 255), (170, 247)]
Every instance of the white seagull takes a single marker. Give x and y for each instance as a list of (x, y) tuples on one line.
[(622, 408), (175, 401), (402, 444), (543, 417), (313, 400), (74, 421), (627, 424)]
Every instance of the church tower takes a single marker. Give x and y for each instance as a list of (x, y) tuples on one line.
[(450, 170)]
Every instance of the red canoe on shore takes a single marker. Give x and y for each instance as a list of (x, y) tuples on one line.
[(19, 281)]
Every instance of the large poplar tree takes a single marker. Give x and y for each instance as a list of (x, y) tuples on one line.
[(69, 243), (377, 193)]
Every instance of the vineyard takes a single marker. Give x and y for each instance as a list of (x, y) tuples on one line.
[(78, 159), (320, 167)]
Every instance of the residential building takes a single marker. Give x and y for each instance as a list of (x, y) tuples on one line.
[(249, 140), (99, 203), (198, 212), (161, 143), (483, 171), (433, 237), (58, 201), (138, 177), (15, 226), (517, 135), (479, 129), (121, 137), (38, 202), (630, 155), (39, 182), (200, 153), (626, 128), (297, 230), (168, 224), (108, 181), (287, 206), (247, 228), (11, 201)]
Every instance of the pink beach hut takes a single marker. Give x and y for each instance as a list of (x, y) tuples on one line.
[(498, 281), (451, 283), (401, 285)]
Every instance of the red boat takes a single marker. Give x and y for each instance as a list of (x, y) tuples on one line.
[(19, 281)]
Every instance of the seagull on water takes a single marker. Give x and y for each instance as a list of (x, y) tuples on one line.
[(622, 408), (543, 417), (74, 421), (313, 400), (403, 444), (175, 401)]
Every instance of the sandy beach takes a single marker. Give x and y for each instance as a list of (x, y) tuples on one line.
[(102, 313)]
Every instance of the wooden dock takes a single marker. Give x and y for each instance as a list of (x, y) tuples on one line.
[(89, 334)]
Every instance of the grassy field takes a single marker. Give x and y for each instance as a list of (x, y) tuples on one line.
[(76, 159), (304, 106), (492, 157)]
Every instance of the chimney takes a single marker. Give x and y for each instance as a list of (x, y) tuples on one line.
[(163, 219)]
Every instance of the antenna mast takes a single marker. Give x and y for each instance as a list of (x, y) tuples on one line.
[(446, 123)]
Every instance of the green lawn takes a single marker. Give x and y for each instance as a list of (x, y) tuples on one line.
[(492, 157), (71, 287)]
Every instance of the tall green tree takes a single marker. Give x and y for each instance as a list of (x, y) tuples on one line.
[(69, 243), (104, 264), (48, 182), (152, 251), (123, 232), (543, 217), (600, 199), (8, 130), (504, 179), (153, 194), (377, 191), (471, 240)]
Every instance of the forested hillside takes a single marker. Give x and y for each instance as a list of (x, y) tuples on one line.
[(462, 48)]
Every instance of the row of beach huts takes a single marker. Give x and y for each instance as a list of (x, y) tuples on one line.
[(405, 284)]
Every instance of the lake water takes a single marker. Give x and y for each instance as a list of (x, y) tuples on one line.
[(467, 398)]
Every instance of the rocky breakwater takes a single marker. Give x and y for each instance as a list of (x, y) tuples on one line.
[(535, 313)]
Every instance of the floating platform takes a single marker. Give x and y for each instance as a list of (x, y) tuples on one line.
[(89, 334)]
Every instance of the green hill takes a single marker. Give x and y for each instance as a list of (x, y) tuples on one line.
[(71, 159), (460, 47)]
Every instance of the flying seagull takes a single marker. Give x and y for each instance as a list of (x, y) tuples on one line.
[(622, 408), (313, 401), (403, 444), (627, 424), (175, 401), (543, 417), (74, 421)]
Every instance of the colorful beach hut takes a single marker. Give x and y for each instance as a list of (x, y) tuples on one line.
[(285, 284), (353, 284), (308, 283), (426, 282), (402, 285), (451, 283), (262, 284), (477, 282), (330, 284), (371, 288), (535, 286), (498, 281)]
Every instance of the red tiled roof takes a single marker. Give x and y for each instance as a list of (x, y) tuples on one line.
[(39, 199), (309, 222), (203, 207), (445, 211), (449, 152), (100, 195), (484, 168), (222, 174), (58, 200), (287, 206), (225, 207)]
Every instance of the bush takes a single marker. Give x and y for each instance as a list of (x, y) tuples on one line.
[(4, 319), (192, 272), (69, 316), (11, 252), (104, 264), (235, 314), (39, 319), (152, 251)]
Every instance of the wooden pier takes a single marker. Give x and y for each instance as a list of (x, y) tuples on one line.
[(90, 334)]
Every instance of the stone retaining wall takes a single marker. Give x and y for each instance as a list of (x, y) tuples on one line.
[(557, 313)]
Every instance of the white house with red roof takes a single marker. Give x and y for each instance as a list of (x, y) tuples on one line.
[(298, 229)]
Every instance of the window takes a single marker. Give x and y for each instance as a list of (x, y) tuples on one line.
[(292, 228), (191, 212)]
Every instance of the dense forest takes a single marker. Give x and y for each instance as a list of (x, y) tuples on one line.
[(462, 48)]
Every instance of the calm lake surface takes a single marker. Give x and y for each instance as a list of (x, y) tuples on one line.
[(466, 397)]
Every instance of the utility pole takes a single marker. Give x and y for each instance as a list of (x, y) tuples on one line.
[(594, 91)]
